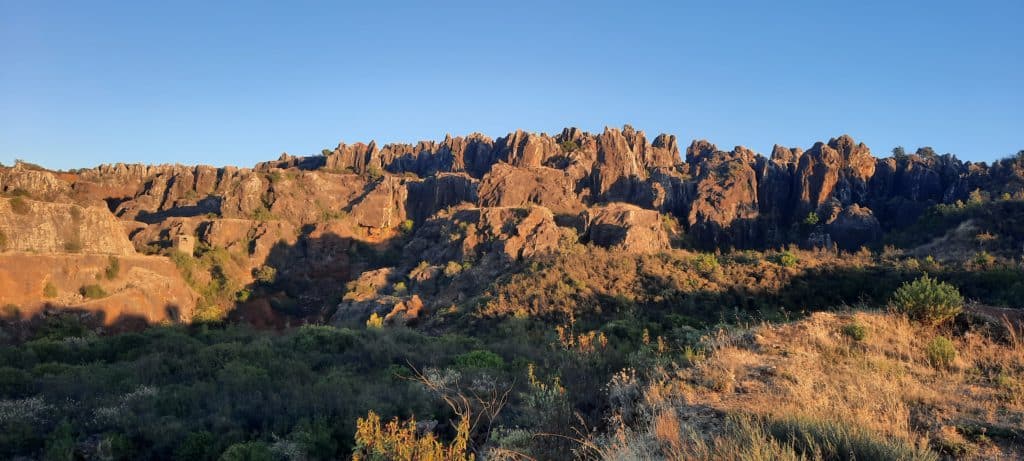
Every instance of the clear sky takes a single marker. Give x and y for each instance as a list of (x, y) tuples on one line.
[(218, 82)]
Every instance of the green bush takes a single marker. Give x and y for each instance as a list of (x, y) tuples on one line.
[(705, 263), (855, 331), (266, 275), (248, 451), (50, 290), (786, 259), (399, 288), (373, 173), (479, 359), (93, 292), (569, 146), (20, 206), (941, 353), (452, 269), (928, 300), (406, 226), (3, 241), (113, 268)]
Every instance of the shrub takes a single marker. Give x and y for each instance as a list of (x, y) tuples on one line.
[(113, 268), (399, 288), (399, 441), (569, 146), (479, 359), (93, 292), (73, 246), (406, 226), (941, 352), (266, 275), (373, 173), (50, 290), (261, 213), (452, 269), (375, 321), (855, 331), (3, 240), (248, 451), (705, 263), (811, 219), (20, 206), (786, 259), (928, 300)]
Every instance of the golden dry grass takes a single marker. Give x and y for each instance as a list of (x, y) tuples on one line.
[(811, 371)]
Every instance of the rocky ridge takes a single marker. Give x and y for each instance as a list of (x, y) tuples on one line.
[(325, 219)]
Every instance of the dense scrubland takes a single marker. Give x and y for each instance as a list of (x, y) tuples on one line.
[(589, 353)]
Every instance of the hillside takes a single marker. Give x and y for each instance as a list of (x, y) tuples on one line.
[(526, 297)]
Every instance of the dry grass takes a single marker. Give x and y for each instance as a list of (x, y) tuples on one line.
[(807, 390)]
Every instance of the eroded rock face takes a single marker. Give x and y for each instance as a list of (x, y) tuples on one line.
[(383, 206), (724, 211), (22, 179), (840, 169), (147, 290), (619, 171), (508, 186), (626, 227), (47, 227), (467, 234)]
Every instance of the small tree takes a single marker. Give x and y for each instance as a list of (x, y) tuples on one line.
[(928, 300)]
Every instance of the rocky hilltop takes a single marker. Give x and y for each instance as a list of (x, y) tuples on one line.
[(287, 235)]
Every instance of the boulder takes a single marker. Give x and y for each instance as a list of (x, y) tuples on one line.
[(855, 227), (626, 227)]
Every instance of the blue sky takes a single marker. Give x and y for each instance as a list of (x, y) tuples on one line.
[(84, 83)]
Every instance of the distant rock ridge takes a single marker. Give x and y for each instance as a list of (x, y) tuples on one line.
[(403, 220), (735, 198)]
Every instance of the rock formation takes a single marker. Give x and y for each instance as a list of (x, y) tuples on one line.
[(300, 227)]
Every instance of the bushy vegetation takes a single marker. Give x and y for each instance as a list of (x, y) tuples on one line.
[(73, 245), (400, 442), (786, 259), (49, 290), (855, 331), (569, 146), (93, 292), (20, 206), (113, 268), (928, 300), (941, 352), (195, 393), (3, 241)]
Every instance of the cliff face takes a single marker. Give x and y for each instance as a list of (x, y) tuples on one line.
[(46, 227), (314, 219)]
